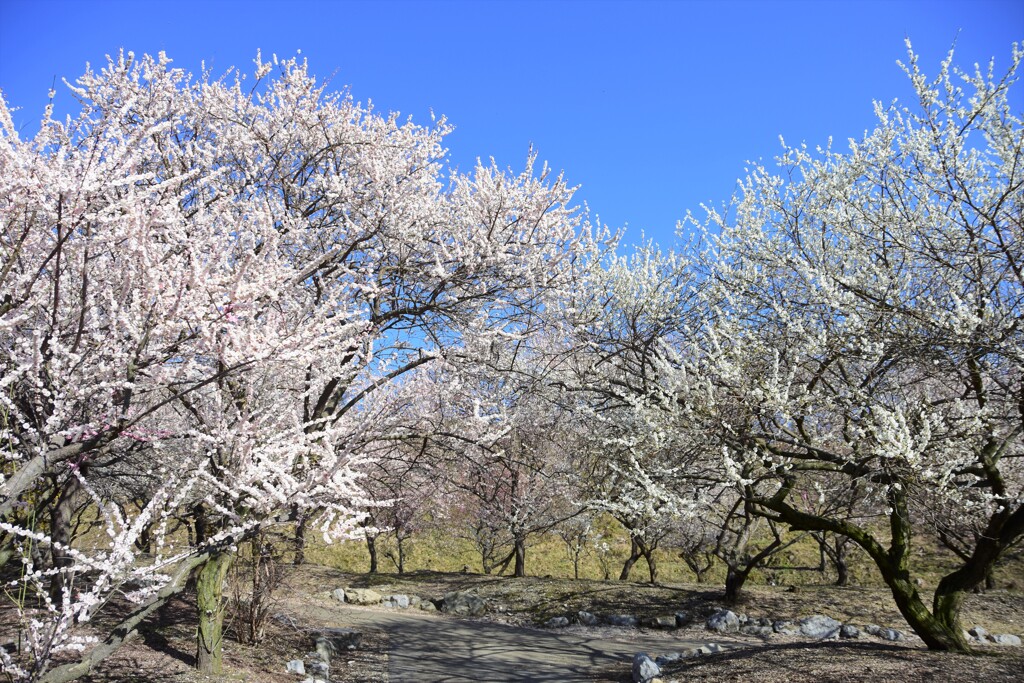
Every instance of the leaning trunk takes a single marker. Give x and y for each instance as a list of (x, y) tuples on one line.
[(210, 604), (634, 555)]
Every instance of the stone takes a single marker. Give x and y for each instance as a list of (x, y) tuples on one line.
[(295, 667), (314, 680), (668, 658), (890, 634), (362, 596), (723, 621), (338, 594), (819, 627), (754, 629), (709, 649), (330, 642), (317, 667), (978, 632), (399, 601), (1005, 639), (872, 629), (557, 622), (428, 606), (764, 621), (683, 619), (849, 631), (626, 620), (785, 627), (586, 618), (664, 621), (415, 600), (463, 603), (644, 668)]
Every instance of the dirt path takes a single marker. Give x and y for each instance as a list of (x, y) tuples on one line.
[(433, 649)]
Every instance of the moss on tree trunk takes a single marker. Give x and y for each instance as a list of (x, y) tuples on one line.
[(210, 605)]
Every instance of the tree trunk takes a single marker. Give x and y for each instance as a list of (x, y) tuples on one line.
[(371, 546), (652, 566), (520, 550), (734, 580), (400, 542), (60, 531), (300, 541), (210, 605), (842, 568), (634, 555)]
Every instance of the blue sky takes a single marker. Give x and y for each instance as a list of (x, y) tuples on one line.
[(652, 107)]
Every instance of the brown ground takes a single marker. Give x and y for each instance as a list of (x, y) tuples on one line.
[(164, 652)]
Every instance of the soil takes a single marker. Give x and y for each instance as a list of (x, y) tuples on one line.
[(164, 650)]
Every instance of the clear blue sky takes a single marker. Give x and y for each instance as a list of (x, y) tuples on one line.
[(652, 107)]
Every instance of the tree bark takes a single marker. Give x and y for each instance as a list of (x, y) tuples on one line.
[(371, 547), (735, 578), (400, 542), (211, 605), (60, 532), (652, 567), (842, 567), (300, 541), (520, 550), (634, 555)]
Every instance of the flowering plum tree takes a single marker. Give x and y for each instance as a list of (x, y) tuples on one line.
[(219, 288), (867, 334)]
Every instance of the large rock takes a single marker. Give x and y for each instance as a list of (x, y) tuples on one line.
[(626, 620), (463, 603), (644, 668), (819, 627), (723, 621), (362, 596), (557, 622), (338, 594), (683, 619), (891, 634), (586, 618), (1005, 639), (295, 667)]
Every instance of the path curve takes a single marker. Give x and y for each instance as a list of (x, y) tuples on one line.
[(427, 648)]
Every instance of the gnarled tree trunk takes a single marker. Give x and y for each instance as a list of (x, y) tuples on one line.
[(210, 605)]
